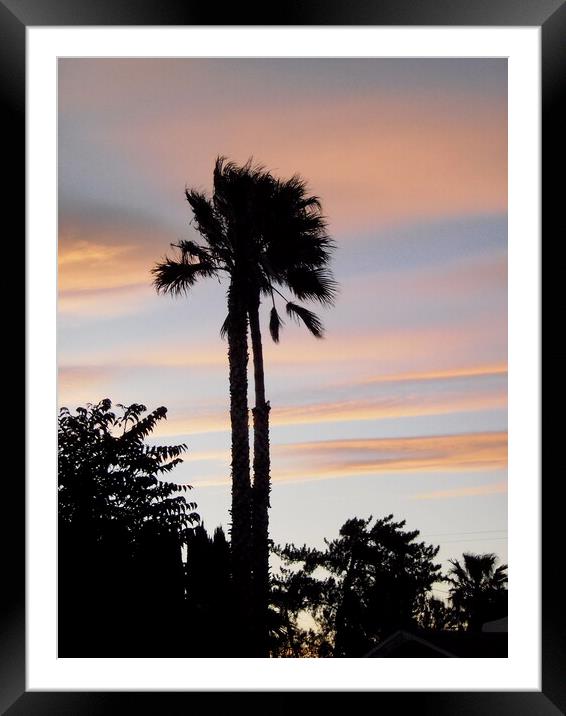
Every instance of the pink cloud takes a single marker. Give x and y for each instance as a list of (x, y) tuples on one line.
[(334, 459), (373, 161)]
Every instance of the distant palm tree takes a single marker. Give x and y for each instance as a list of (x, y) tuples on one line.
[(266, 234), (479, 589)]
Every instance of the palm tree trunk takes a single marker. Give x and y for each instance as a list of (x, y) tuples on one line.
[(241, 491), (260, 492)]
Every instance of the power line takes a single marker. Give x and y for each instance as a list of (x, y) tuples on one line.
[(473, 539)]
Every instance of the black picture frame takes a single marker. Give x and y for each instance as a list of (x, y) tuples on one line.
[(15, 17)]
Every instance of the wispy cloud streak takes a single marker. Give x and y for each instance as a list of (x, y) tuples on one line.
[(496, 488), (393, 404), (347, 411), (333, 459)]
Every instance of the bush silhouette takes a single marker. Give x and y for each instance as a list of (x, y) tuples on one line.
[(122, 529)]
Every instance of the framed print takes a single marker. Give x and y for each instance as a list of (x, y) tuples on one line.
[(433, 117)]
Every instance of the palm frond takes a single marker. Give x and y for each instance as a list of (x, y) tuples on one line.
[(294, 188), (275, 324), (311, 202), (207, 222), (310, 319), (177, 276), (192, 249), (314, 284), (224, 327), (296, 241), (242, 193), (229, 170)]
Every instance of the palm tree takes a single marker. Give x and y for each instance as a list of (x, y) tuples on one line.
[(289, 250), (266, 235), (222, 253), (479, 589)]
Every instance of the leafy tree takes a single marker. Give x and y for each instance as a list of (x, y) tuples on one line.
[(295, 596), (435, 615), (264, 234), (122, 528), (365, 584), (108, 474), (479, 589)]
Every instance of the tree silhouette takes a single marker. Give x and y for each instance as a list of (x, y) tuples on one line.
[(295, 593), (435, 615), (291, 250), (122, 527), (366, 584), (223, 253), (479, 589), (265, 234), (209, 594)]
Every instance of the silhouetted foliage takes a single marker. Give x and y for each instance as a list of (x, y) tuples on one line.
[(270, 229), (374, 580), (296, 597), (434, 614), (209, 595), (122, 528), (478, 591), (366, 584)]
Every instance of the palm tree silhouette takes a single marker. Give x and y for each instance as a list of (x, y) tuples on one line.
[(289, 250), (223, 252), (267, 235), (478, 592)]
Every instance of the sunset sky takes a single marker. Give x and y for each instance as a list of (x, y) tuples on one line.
[(402, 408)]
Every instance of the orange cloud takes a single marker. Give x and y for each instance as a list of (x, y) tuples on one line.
[(397, 159), (85, 252), (496, 488), (472, 451), (346, 411), (107, 302), (101, 247), (390, 407), (333, 459), (446, 374), (105, 261), (104, 269), (77, 384), (214, 418)]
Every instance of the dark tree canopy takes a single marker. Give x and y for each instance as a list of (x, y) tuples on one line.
[(364, 585), (108, 474), (478, 589), (435, 615), (122, 528), (210, 594)]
